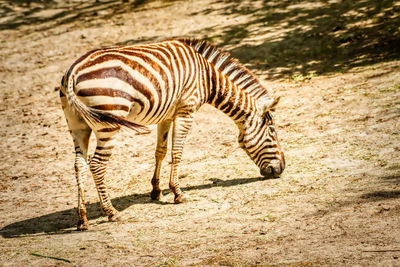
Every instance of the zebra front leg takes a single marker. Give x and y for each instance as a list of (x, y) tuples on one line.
[(161, 151), (98, 167), (182, 125)]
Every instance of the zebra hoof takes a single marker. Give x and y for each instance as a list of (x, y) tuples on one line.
[(156, 195), (115, 217), (180, 199), (82, 225)]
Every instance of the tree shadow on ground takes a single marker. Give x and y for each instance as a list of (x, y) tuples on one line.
[(368, 197), (48, 14), (314, 36), (381, 195), (384, 194), (65, 221), (277, 37)]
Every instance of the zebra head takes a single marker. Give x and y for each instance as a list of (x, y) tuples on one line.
[(259, 139)]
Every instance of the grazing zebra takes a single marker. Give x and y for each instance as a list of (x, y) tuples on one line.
[(161, 83)]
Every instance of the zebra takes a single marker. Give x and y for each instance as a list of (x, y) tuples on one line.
[(161, 83)]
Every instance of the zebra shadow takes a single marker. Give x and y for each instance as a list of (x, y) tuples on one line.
[(63, 222)]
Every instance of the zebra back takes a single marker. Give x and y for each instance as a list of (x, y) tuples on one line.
[(229, 66)]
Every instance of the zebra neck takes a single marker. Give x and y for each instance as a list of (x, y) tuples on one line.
[(226, 96)]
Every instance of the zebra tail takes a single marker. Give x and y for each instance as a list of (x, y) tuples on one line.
[(95, 117)]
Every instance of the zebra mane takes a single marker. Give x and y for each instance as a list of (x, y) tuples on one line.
[(240, 75)]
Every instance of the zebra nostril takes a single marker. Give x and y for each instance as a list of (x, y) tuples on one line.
[(267, 171)]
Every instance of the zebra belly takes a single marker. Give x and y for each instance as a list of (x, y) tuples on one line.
[(146, 116)]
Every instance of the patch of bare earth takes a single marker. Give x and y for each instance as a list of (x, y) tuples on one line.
[(337, 202)]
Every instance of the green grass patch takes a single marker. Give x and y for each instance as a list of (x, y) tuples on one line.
[(170, 262), (301, 78)]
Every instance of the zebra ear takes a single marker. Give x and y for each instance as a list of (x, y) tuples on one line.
[(270, 105)]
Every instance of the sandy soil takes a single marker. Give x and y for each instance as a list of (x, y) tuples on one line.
[(337, 203)]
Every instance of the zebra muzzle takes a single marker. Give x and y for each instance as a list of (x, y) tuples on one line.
[(273, 170)]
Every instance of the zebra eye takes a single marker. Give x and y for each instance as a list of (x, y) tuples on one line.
[(269, 118), (271, 130)]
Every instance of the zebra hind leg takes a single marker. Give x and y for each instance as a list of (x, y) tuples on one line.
[(80, 133), (81, 141), (161, 151), (98, 167)]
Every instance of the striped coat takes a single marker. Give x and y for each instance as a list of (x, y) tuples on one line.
[(162, 83)]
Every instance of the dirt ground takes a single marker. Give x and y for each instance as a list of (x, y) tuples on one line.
[(335, 65)]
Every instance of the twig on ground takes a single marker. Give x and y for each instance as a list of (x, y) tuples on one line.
[(49, 257), (382, 250)]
